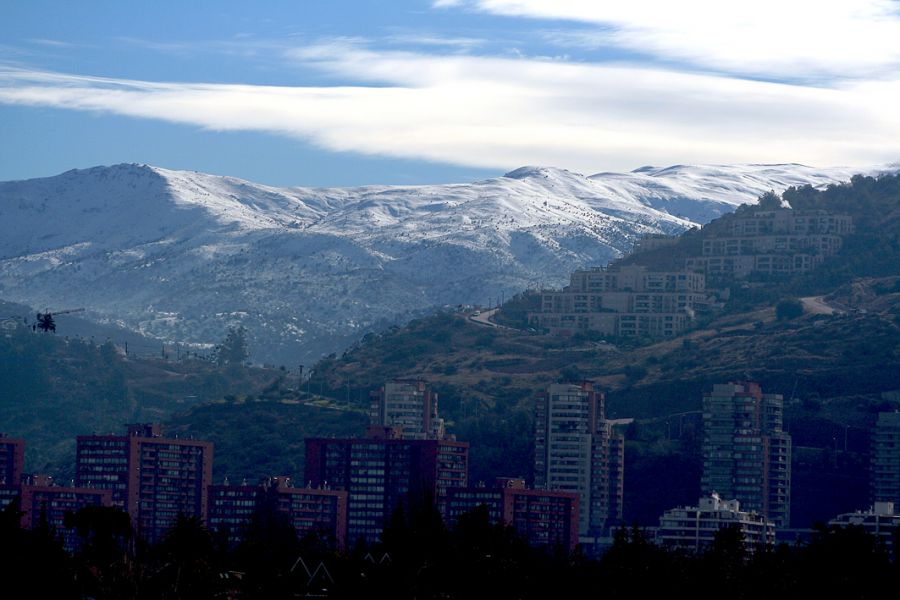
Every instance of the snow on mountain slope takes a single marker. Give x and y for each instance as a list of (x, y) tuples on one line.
[(183, 255)]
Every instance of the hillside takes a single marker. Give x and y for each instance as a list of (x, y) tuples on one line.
[(53, 389), (181, 256), (837, 365)]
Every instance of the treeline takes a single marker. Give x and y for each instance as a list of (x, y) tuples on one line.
[(421, 558)]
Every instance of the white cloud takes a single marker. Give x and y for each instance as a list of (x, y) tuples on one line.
[(503, 113), (777, 38)]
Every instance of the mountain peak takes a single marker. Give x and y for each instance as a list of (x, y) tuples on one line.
[(529, 172)]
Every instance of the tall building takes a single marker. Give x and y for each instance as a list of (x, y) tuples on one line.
[(541, 517), (382, 472), (12, 464), (746, 453), (694, 527), (318, 511), (12, 460), (885, 462), (151, 477), (576, 450), (409, 405)]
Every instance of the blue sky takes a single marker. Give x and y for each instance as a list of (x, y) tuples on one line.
[(347, 93)]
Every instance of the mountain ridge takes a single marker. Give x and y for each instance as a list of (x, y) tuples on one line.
[(184, 255)]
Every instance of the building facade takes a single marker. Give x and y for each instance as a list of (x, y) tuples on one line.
[(46, 504), (409, 405), (885, 462), (383, 472), (151, 477), (880, 521), (577, 450), (309, 511), (693, 528), (779, 241), (12, 460), (623, 301), (541, 517), (746, 453)]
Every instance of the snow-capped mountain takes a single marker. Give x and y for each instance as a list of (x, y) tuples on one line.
[(183, 255)]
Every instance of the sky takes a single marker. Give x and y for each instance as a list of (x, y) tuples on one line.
[(341, 92)]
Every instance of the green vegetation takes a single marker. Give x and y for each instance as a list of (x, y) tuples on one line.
[(53, 389), (259, 438), (421, 558)]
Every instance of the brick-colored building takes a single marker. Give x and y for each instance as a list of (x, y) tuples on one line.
[(151, 477), (322, 512), (41, 500), (12, 460), (383, 471), (541, 517)]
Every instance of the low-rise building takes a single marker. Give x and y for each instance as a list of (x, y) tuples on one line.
[(693, 528), (44, 504), (541, 517), (777, 241), (623, 301), (322, 512), (880, 520)]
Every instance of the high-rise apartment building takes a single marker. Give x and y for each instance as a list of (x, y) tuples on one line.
[(382, 472), (746, 453), (151, 477), (410, 406), (576, 450), (885, 462), (12, 460)]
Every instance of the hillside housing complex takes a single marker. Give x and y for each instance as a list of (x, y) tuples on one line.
[(632, 300)]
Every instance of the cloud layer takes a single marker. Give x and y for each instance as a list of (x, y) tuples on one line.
[(824, 91), (797, 38)]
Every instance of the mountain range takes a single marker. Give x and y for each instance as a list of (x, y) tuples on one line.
[(182, 256)]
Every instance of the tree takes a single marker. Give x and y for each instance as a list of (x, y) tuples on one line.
[(769, 201), (788, 309), (233, 349)]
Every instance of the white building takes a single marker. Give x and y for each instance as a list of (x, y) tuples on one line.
[(694, 527), (880, 521)]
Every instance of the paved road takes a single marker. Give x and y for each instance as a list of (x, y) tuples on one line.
[(483, 318)]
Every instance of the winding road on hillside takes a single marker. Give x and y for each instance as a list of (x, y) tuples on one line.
[(483, 318)]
